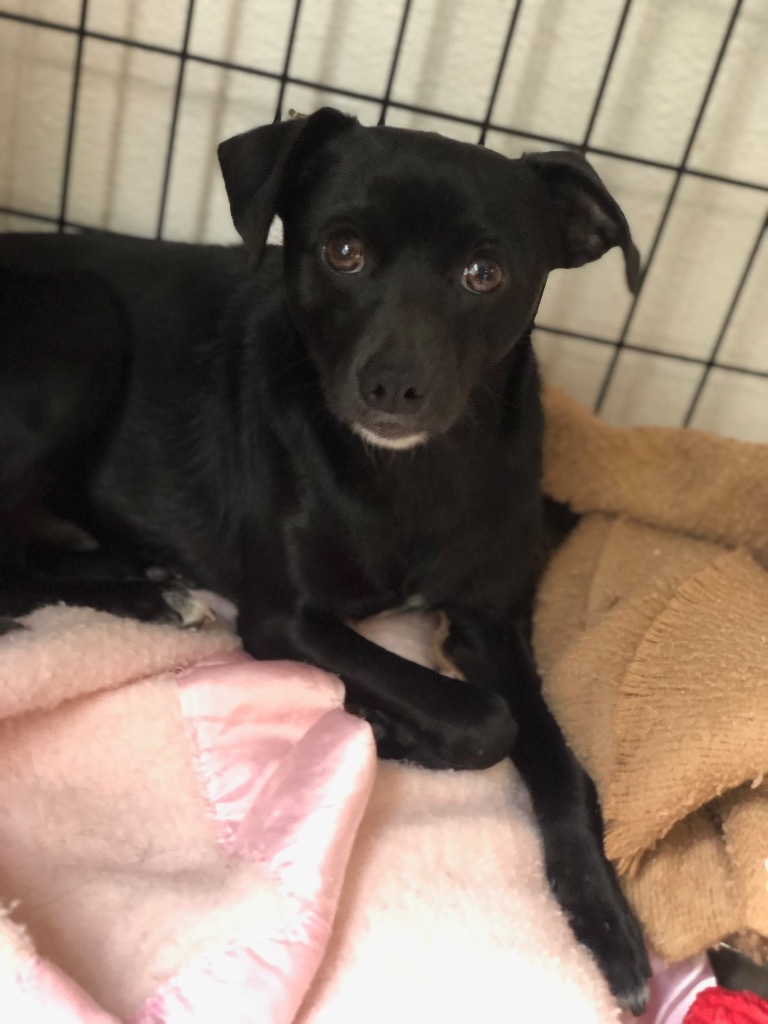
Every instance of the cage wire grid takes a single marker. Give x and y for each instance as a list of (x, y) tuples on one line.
[(387, 102)]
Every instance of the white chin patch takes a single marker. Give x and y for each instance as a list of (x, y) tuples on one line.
[(395, 443)]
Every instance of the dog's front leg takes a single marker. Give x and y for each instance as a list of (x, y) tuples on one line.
[(564, 801), (416, 714)]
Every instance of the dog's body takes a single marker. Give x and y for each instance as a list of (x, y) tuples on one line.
[(355, 426)]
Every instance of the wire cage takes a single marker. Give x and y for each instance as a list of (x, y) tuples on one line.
[(110, 111)]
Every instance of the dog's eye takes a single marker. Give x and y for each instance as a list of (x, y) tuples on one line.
[(344, 252), (482, 274)]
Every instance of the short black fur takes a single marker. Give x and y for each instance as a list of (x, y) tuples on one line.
[(321, 443)]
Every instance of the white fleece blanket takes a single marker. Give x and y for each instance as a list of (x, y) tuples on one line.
[(190, 836)]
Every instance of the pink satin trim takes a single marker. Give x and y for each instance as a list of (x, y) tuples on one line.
[(673, 989), (258, 980), (287, 774), (41, 994)]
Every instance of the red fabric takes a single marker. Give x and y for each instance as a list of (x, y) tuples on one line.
[(721, 1006)]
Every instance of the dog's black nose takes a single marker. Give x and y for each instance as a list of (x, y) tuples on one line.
[(393, 387)]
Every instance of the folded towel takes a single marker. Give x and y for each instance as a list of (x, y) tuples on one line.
[(652, 636)]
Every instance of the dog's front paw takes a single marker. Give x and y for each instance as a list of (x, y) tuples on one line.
[(479, 732), (476, 729), (587, 890), (187, 611), (164, 603)]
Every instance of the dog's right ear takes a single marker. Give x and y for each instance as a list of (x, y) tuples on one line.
[(256, 164), (589, 219)]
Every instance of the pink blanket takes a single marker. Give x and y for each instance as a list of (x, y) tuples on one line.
[(189, 835)]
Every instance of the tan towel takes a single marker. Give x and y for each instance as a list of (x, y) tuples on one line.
[(652, 636)]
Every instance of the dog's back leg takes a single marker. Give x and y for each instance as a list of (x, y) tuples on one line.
[(64, 360), (564, 801)]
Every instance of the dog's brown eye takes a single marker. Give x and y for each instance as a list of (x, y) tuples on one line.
[(344, 252), (482, 274)]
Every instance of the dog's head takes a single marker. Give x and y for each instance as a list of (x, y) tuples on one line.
[(413, 262)]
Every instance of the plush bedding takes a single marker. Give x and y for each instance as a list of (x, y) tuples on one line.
[(189, 835), (650, 633), (175, 822)]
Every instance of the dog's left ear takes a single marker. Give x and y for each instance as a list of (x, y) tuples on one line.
[(588, 217), (255, 165)]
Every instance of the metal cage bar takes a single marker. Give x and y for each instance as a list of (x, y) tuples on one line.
[(413, 108), (72, 120), (386, 101), (606, 75), (663, 221), (177, 96), (500, 70), (484, 126), (284, 77), (712, 361)]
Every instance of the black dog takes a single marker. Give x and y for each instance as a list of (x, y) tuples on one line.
[(351, 426)]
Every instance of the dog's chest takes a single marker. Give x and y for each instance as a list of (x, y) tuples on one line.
[(437, 545)]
